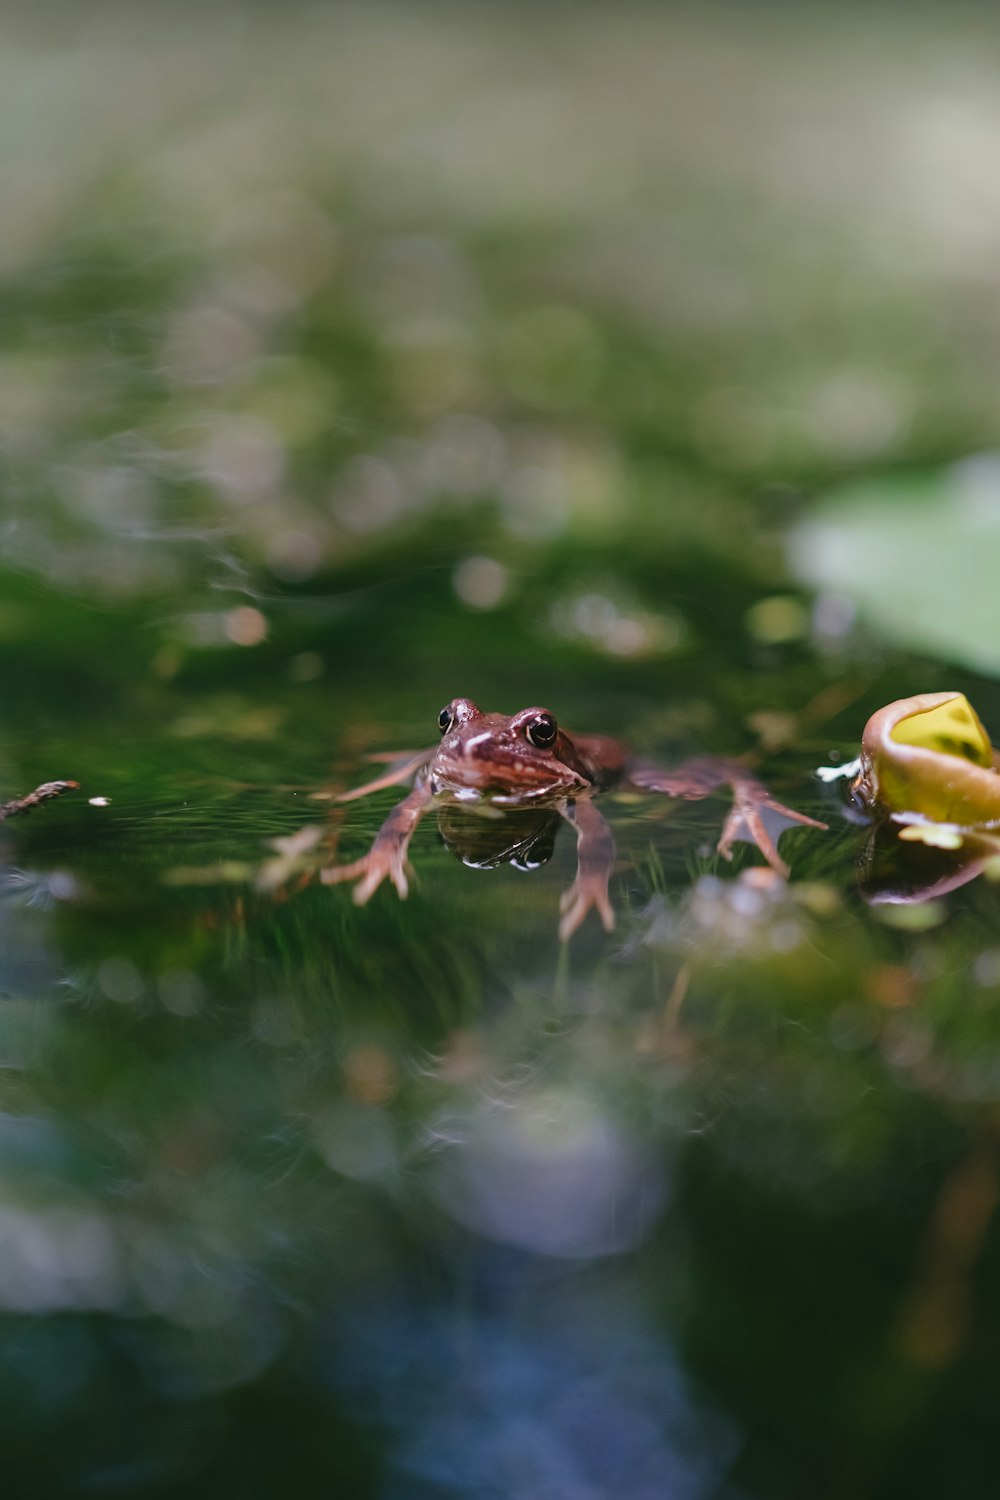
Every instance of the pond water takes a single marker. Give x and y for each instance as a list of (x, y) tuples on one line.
[(306, 431)]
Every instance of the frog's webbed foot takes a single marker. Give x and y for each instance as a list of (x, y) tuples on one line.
[(757, 818), (387, 856), (595, 860), (370, 871)]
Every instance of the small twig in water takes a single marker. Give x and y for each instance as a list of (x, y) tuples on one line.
[(43, 793)]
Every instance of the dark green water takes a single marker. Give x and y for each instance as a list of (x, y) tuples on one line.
[(414, 1199), (363, 361)]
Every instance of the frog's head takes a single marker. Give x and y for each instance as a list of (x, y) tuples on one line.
[(525, 755)]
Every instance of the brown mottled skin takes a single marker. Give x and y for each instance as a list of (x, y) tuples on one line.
[(525, 760)]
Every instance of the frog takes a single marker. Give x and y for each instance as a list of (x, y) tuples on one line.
[(497, 762)]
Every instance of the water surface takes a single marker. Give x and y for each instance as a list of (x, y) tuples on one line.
[(327, 403)]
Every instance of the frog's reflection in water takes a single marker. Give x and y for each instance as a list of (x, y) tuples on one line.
[(522, 837), (898, 870)]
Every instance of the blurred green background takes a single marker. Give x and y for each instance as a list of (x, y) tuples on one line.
[(637, 360)]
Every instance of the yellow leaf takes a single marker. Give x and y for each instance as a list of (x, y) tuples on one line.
[(930, 755)]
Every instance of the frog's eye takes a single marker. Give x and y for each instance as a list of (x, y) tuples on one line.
[(542, 731), (445, 719)]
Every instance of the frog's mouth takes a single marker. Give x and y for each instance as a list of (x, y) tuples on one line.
[(550, 792), (508, 779)]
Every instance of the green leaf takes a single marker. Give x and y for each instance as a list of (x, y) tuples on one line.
[(917, 555)]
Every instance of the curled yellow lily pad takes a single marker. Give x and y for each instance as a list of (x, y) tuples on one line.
[(930, 754), (934, 835)]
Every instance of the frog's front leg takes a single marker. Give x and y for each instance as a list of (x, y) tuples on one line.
[(387, 856), (753, 806), (595, 856), (402, 766)]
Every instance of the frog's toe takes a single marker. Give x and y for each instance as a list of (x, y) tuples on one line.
[(368, 878), (745, 825), (792, 816), (762, 821), (369, 873), (338, 874), (366, 888)]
